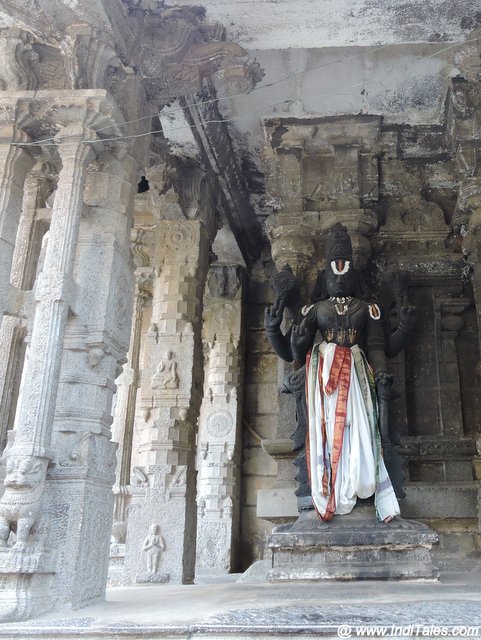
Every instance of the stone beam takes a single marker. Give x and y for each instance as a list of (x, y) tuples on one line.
[(218, 154)]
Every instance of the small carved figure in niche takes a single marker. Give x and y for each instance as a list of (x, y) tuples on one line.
[(165, 376), (95, 355), (344, 411), (21, 502), (153, 547)]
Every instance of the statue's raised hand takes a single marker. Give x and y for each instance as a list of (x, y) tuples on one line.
[(273, 316)]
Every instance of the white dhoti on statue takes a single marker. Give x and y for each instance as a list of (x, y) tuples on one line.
[(344, 445)]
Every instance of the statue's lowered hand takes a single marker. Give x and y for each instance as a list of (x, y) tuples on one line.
[(300, 340), (408, 314)]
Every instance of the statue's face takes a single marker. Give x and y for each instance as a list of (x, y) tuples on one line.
[(340, 279)]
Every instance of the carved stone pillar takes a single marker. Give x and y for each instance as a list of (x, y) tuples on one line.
[(79, 338), (27, 571), (14, 165), (171, 391), (37, 187), (218, 443), (95, 347)]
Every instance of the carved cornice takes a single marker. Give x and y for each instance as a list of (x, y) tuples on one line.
[(41, 115), (432, 449), (178, 50), (172, 49)]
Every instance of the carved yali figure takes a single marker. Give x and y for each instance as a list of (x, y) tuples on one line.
[(152, 547), (20, 504), (341, 340)]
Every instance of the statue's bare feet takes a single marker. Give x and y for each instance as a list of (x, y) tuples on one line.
[(387, 519)]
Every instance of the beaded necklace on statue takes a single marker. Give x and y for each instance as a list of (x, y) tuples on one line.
[(341, 305)]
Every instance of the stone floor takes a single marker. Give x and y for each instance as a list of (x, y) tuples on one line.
[(450, 607)]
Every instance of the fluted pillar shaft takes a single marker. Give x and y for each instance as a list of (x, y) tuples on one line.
[(52, 295)]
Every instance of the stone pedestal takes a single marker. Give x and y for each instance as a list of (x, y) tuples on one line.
[(352, 547), (27, 575)]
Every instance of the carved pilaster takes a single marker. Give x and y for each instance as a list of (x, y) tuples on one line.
[(449, 312), (464, 135), (125, 407), (170, 397), (218, 454)]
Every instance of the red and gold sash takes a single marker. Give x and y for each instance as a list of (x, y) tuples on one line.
[(339, 378)]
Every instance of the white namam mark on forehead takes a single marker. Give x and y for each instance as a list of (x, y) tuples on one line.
[(345, 267)]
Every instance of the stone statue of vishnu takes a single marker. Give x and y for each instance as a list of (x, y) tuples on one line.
[(342, 342)]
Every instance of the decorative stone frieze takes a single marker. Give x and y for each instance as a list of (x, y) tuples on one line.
[(218, 454), (414, 236)]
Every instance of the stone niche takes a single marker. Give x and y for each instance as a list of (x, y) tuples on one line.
[(396, 189)]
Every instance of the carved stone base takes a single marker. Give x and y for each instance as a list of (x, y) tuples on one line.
[(351, 547), (116, 576), (157, 578), (25, 577)]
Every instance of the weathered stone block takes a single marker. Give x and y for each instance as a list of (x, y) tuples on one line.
[(261, 398), (441, 500), (257, 341), (258, 463), (277, 503), (262, 367)]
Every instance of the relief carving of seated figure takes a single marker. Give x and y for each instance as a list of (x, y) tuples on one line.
[(165, 376)]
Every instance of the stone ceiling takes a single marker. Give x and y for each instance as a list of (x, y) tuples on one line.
[(313, 24), (320, 57)]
